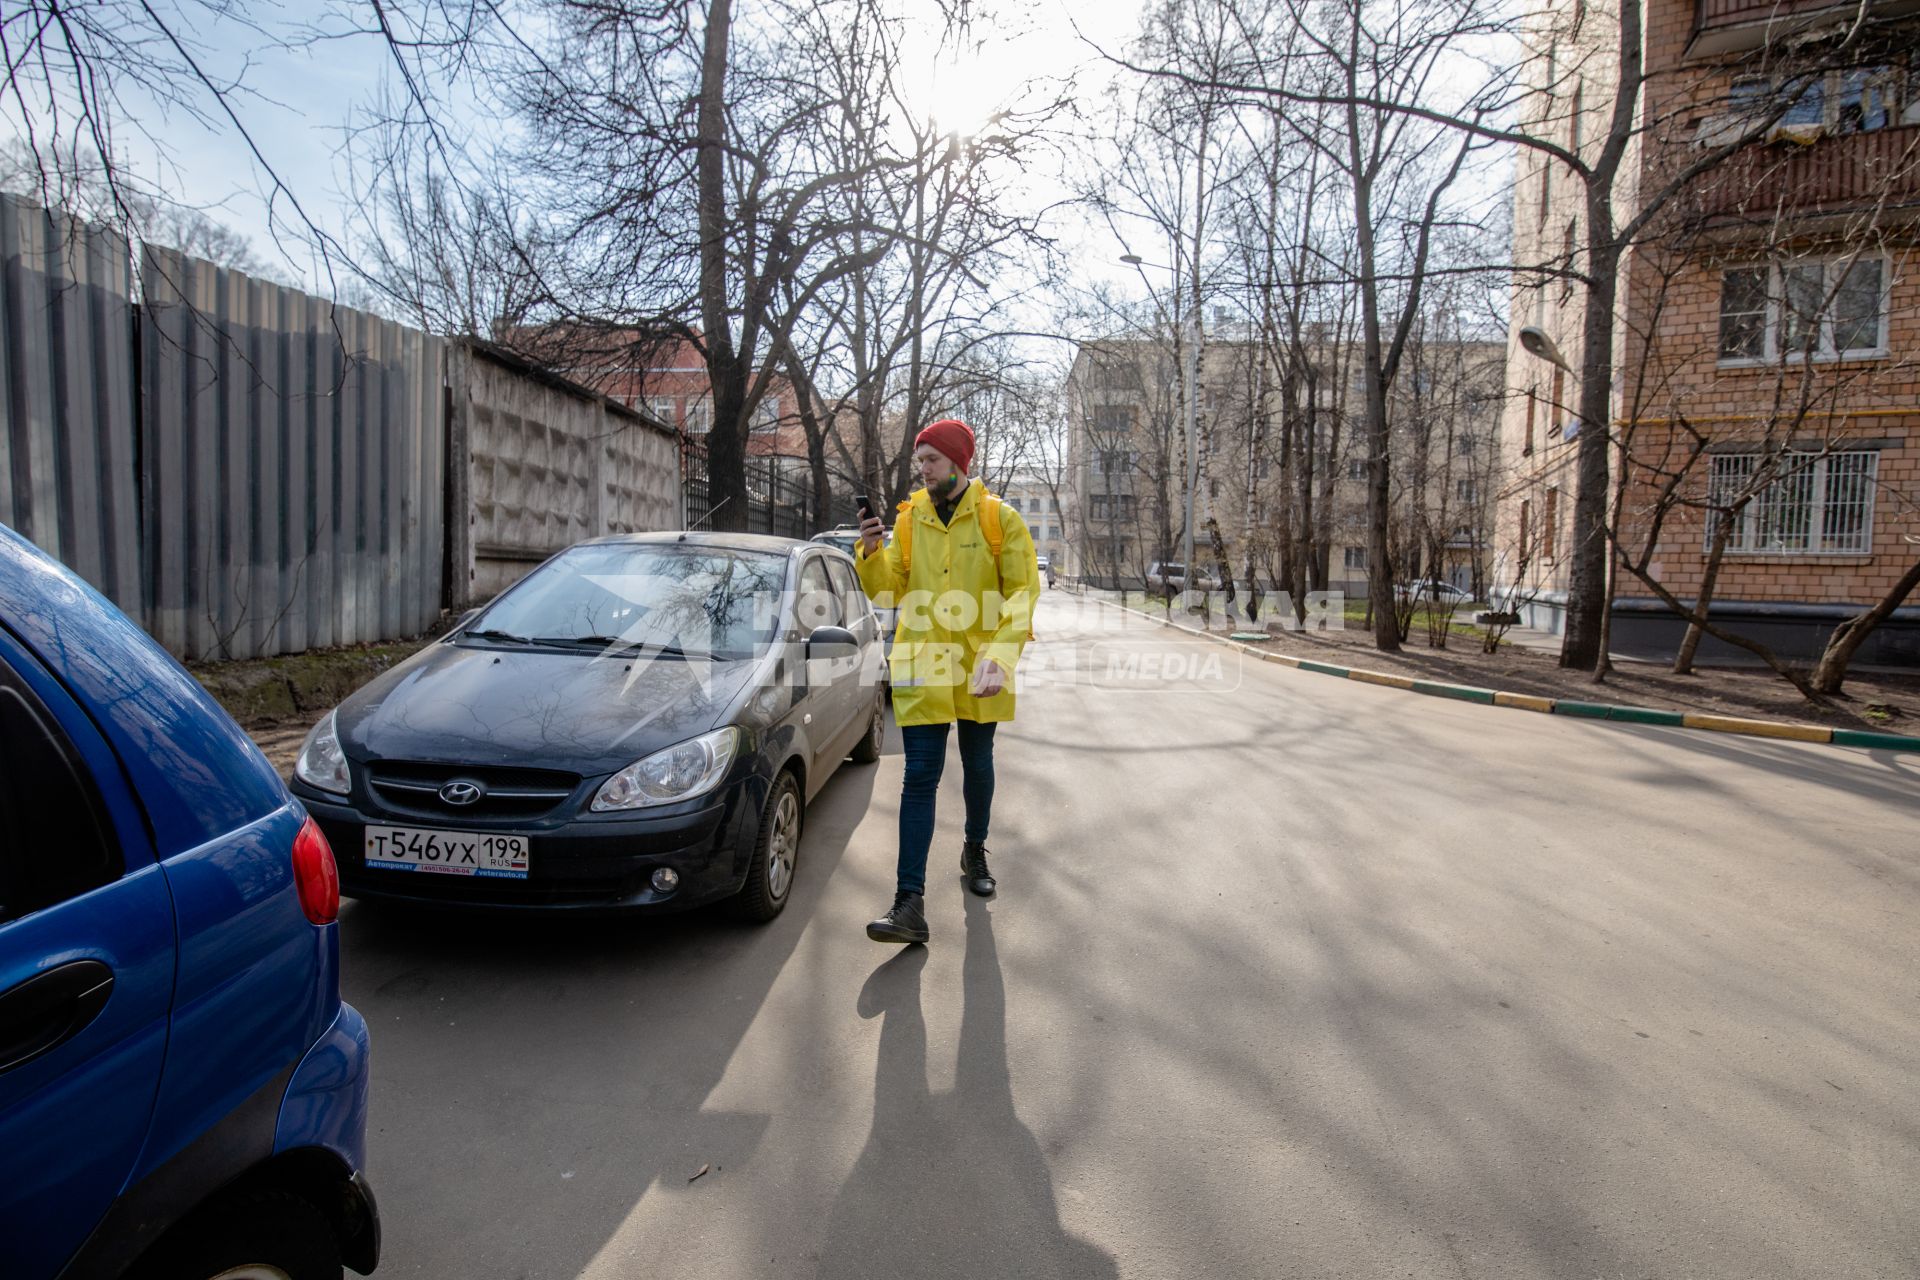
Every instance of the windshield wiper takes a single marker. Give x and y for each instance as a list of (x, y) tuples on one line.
[(614, 642), (491, 634)]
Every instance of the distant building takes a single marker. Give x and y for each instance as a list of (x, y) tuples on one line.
[(1125, 481), (1038, 503)]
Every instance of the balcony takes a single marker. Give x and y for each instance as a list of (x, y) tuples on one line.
[(1736, 26), (1827, 178)]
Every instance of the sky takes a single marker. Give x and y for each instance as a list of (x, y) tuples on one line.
[(299, 97)]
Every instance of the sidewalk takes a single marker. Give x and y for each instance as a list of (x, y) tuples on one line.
[(1527, 663)]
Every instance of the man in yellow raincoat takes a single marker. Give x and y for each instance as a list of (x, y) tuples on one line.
[(961, 571)]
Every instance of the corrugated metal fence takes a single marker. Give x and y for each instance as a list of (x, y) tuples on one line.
[(68, 420), (249, 470), (293, 466)]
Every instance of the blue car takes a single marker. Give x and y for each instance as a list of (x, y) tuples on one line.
[(182, 1091)]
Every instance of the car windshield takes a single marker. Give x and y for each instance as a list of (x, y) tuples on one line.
[(691, 600)]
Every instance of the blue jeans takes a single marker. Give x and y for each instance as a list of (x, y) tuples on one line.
[(926, 748)]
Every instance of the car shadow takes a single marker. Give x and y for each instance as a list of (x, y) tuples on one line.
[(535, 1078), (951, 1184)]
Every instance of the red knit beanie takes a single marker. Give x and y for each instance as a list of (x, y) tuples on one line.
[(951, 437)]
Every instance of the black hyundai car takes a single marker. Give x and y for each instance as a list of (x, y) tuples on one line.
[(637, 724)]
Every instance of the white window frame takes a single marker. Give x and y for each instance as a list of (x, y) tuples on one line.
[(766, 416), (699, 419), (1812, 470), (1776, 296), (1350, 558)]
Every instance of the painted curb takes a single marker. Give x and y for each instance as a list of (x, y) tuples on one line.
[(1564, 706)]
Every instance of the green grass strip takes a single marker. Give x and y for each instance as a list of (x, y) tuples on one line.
[(1878, 741), (1465, 693)]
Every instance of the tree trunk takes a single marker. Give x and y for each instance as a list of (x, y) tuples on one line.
[(726, 379), (1847, 637), (1386, 630), (1587, 579), (1690, 643)]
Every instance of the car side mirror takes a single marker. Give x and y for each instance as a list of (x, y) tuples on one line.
[(832, 643)]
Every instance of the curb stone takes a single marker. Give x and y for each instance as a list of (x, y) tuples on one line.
[(1563, 706)]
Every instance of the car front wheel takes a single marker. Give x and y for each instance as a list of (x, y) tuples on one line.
[(776, 853)]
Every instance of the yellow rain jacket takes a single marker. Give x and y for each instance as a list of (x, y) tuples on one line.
[(956, 606)]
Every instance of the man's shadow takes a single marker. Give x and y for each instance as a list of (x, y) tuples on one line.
[(955, 1184)]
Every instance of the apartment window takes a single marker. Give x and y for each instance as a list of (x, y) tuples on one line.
[(662, 407), (1116, 376), (1526, 530), (1465, 491), (1550, 523), (1569, 257), (1465, 444), (1113, 506), (1818, 505), (1824, 309), (1356, 468), (1357, 559), (1852, 100), (699, 417), (1116, 461), (1113, 419), (1533, 404), (766, 419)]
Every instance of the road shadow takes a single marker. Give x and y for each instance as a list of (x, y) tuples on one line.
[(537, 1077), (950, 1184)]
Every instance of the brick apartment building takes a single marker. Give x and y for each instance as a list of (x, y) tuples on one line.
[(1769, 325)]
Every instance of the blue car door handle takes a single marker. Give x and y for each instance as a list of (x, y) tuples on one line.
[(44, 1012)]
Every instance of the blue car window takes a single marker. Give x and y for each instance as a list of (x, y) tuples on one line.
[(55, 841)]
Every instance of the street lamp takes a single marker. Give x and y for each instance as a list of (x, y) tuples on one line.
[(1536, 343), (1190, 375)]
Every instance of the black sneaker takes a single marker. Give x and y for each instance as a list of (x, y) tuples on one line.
[(973, 865), (907, 922)]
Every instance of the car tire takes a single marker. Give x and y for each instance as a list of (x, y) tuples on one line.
[(776, 854), (267, 1235), (867, 750)]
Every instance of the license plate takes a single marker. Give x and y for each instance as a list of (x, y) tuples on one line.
[(447, 853)]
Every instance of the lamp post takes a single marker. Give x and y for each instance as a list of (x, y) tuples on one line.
[(1190, 377)]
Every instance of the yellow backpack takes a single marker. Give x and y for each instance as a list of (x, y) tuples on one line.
[(988, 514)]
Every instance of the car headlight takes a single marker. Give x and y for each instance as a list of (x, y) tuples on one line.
[(322, 763), (692, 768)]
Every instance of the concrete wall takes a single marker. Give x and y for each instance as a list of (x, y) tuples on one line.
[(546, 463)]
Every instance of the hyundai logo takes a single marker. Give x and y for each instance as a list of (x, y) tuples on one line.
[(462, 793)]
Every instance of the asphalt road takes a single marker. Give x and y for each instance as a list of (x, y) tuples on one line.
[(1288, 976)]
